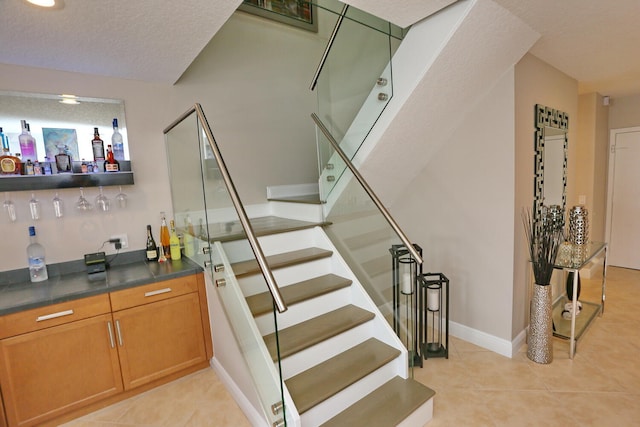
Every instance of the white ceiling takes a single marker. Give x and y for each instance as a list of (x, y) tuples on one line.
[(594, 41), (150, 40)]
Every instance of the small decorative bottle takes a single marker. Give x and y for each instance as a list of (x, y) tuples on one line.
[(47, 166), (37, 168), (111, 164), (28, 167)]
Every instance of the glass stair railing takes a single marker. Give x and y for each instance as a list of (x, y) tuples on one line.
[(353, 82), (374, 246), (208, 211)]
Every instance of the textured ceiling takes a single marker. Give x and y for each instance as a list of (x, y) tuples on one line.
[(149, 40), (596, 42), (593, 41)]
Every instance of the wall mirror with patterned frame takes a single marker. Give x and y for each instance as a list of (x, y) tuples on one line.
[(551, 144)]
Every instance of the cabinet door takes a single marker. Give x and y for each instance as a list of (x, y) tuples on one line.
[(157, 339), (46, 373)]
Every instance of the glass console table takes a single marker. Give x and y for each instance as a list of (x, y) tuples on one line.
[(572, 329)]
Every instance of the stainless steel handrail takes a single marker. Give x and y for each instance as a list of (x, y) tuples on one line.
[(244, 219), (325, 54), (368, 189)]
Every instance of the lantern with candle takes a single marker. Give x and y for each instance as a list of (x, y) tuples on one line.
[(405, 271), (434, 314)]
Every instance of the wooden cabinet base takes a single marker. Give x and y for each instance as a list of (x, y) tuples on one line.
[(63, 361), (122, 396)]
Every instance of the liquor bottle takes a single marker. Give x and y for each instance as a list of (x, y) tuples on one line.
[(83, 167), (63, 160), (35, 255), (10, 165), (28, 167), (116, 142), (164, 236), (174, 243), (189, 247), (47, 166), (152, 248), (4, 139), (97, 145), (37, 168), (111, 164), (27, 142)]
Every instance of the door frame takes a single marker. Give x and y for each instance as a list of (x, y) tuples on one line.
[(613, 133)]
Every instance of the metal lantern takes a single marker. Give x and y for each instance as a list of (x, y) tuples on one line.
[(434, 315), (405, 272)]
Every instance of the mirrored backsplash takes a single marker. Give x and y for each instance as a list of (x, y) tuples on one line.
[(59, 120)]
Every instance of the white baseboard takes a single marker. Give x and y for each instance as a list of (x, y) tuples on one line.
[(247, 408), (490, 342)]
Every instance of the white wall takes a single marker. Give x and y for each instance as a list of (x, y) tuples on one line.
[(459, 209), (68, 238)]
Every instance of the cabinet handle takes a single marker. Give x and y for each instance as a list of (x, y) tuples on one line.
[(158, 292), (109, 328), (54, 315), (119, 333)]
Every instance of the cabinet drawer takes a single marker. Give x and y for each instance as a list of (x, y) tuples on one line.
[(153, 292), (53, 315)]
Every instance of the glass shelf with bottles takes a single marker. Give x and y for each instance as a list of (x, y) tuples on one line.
[(73, 179), (54, 134)]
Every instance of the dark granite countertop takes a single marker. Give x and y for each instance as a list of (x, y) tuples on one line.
[(69, 281)]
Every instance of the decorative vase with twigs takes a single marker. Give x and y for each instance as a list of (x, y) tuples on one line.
[(544, 240)]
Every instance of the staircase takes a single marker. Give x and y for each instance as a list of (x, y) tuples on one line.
[(341, 362)]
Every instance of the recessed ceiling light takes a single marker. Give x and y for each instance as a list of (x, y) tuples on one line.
[(69, 99), (49, 4)]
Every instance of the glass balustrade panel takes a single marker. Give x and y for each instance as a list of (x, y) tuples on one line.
[(366, 241), (212, 234), (355, 83)]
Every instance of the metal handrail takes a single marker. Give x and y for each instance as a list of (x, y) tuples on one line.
[(325, 54), (368, 189), (244, 219)]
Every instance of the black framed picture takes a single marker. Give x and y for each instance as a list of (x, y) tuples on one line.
[(298, 13)]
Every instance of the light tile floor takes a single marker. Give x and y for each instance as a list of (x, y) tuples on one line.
[(474, 387)]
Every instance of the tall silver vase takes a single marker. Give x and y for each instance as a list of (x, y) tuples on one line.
[(540, 345)]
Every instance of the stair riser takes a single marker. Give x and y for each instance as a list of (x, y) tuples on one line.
[(255, 284), (304, 311), (301, 211), (320, 352), (347, 397), (420, 416), (294, 240), (237, 250)]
